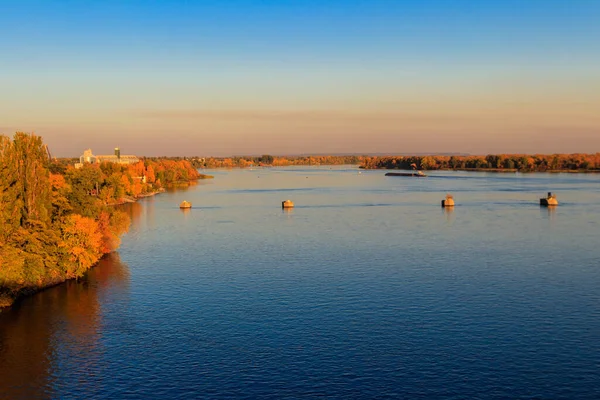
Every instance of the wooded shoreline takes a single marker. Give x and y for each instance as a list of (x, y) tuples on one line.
[(559, 163), (514, 171), (556, 163), (57, 221), (9, 298)]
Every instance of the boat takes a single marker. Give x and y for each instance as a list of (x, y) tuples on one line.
[(549, 201), (185, 204), (448, 201), (418, 174)]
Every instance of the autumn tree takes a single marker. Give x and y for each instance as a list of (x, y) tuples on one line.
[(84, 183), (24, 186), (81, 244), (33, 177), (11, 201)]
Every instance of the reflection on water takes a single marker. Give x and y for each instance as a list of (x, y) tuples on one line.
[(33, 332), (176, 187), (548, 212), (135, 210), (449, 213)]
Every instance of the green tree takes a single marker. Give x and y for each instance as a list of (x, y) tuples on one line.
[(83, 182), (33, 177), (266, 159), (11, 203), (24, 183)]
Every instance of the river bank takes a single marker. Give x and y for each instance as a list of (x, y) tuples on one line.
[(8, 297), (514, 170), (500, 170), (179, 184), (56, 221), (131, 199), (559, 163)]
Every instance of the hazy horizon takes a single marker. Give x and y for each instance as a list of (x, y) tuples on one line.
[(307, 77)]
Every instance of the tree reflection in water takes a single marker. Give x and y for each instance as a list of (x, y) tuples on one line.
[(134, 210), (66, 316)]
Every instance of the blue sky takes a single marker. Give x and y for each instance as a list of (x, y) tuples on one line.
[(246, 77)]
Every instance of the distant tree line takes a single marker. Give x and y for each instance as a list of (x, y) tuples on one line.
[(275, 161), (494, 162), (56, 220)]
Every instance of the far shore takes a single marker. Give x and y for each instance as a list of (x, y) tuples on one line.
[(514, 170), (499, 170)]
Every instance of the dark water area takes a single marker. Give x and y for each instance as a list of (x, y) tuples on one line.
[(366, 289)]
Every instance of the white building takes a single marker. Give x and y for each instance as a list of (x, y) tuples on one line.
[(89, 157)]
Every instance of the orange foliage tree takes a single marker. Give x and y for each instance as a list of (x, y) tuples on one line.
[(81, 244)]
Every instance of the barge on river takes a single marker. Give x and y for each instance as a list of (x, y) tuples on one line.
[(418, 174)]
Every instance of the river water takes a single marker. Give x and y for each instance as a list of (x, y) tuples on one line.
[(366, 289)]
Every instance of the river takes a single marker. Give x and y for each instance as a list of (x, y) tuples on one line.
[(366, 289)]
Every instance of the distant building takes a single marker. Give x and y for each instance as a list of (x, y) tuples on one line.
[(118, 158)]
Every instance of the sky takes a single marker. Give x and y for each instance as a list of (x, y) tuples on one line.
[(241, 77)]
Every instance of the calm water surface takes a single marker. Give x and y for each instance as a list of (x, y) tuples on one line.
[(367, 289)]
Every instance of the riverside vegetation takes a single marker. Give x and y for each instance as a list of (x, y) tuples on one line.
[(56, 221), (492, 162), (273, 161)]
